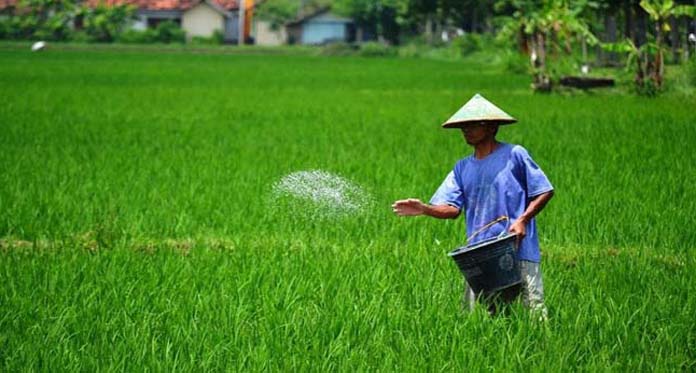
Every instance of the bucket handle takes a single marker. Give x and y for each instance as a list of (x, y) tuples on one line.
[(498, 220)]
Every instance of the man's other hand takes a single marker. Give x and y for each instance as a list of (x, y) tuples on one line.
[(519, 227)]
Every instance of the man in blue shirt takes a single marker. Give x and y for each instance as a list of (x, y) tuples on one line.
[(499, 187)]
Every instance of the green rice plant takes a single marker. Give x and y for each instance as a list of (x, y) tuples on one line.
[(138, 229)]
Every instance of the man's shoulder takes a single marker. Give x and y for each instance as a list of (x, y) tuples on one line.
[(517, 150)]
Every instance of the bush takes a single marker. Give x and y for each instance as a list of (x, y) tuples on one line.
[(169, 32), (339, 49), (136, 37), (691, 70), (515, 62), (4, 28), (410, 50), (468, 43), (373, 49), (648, 88), (55, 25), (217, 38), (104, 23)]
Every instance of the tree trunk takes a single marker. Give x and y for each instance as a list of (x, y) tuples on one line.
[(674, 38), (429, 29), (609, 37), (641, 26), (658, 67), (686, 44), (629, 24), (541, 82)]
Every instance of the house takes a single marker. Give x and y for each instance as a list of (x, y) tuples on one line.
[(195, 17), (320, 27), (265, 34)]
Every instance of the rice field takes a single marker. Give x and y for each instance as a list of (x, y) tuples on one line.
[(139, 229)]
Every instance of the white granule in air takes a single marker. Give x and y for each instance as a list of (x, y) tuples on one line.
[(322, 192)]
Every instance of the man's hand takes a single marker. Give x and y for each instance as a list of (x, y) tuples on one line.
[(519, 227), (409, 207), (535, 206)]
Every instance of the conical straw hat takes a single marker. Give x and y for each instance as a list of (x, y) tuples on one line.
[(478, 109)]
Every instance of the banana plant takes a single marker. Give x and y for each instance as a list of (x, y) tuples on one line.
[(542, 26), (648, 59)]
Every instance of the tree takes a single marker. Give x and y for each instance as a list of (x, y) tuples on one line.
[(41, 19), (384, 16), (660, 12), (540, 26), (648, 59), (280, 12), (104, 22)]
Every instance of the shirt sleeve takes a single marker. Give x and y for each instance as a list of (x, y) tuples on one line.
[(534, 179), (449, 193)]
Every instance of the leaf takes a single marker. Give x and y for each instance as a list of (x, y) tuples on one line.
[(667, 5), (650, 9), (618, 47), (684, 10)]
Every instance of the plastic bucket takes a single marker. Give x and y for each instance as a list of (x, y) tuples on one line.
[(490, 265)]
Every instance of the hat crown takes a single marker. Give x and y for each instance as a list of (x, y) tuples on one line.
[(478, 109)]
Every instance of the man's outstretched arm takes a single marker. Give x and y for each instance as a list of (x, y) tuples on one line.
[(414, 207)]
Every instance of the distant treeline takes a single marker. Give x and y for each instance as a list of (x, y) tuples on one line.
[(397, 21)]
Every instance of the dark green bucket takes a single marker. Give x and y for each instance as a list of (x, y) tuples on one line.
[(489, 265)]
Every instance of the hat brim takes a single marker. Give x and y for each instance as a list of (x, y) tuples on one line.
[(462, 123)]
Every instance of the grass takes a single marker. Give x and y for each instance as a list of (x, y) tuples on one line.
[(137, 230)]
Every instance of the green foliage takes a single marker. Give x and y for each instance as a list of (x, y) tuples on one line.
[(279, 12), (104, 23), (165, 32), (374, 49), (691, 70), (382, 15), (339, 49), (169, 32), (132, 36), (4, 28), (544, 28), (39, 19), (468, 43), (135, 236), (217, 38), (515, 62)]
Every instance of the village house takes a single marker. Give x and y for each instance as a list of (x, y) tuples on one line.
[(196, 17), (320, 27)]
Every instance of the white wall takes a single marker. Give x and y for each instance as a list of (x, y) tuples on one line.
[(140, 23), (201, 20), (263, 35)]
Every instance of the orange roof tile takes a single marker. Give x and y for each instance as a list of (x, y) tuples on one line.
[(162, 4), (151, 4)]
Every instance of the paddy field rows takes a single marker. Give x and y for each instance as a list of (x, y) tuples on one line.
[(137, 228)]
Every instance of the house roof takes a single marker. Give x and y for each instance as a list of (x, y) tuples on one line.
[(317, 12), (164, 4), (7, 3), (155, 4)]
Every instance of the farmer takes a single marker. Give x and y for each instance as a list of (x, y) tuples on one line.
[(499, 187)]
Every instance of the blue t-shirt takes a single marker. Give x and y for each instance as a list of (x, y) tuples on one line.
[(501, 184)]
